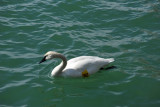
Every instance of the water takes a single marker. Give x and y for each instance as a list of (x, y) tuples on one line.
[(125, 30)]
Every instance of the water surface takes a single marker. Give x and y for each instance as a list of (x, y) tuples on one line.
[(128, 31)]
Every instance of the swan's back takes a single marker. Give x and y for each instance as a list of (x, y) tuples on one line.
[(92, 64)]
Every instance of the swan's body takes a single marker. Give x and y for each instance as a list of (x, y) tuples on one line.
[(76, 66)]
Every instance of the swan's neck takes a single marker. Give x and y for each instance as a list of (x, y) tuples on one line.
[(64, 62), (60, 67)]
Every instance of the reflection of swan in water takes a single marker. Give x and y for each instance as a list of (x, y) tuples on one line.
[(76, 67)]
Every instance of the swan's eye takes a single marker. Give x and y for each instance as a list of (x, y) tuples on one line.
[(48, 57)]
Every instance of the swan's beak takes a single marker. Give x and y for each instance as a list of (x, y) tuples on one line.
[(44, 59)]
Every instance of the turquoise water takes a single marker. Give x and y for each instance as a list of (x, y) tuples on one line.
[(128, 31)]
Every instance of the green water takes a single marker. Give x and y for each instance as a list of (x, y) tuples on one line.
[(128, 31)]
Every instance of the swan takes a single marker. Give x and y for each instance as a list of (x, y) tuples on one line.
[(81, 66)]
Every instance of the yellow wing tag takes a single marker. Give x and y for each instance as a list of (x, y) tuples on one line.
[(85, 73)]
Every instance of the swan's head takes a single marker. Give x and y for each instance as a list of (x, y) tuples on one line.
[(49, 55)]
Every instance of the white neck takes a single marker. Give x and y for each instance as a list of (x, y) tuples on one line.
[(58, 69)]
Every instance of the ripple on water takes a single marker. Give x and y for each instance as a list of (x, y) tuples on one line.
[(127, 31)]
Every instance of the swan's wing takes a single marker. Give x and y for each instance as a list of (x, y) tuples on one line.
[(90, 63), (89, 58), (77, 59)]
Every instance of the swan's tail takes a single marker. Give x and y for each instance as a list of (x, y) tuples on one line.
[(109, 60)]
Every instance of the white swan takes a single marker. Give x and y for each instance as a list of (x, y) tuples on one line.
[(76, 67)]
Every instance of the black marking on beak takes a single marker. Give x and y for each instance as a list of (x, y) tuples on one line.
[(44, 59)]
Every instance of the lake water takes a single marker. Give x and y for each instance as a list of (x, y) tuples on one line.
[(128, 31)]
